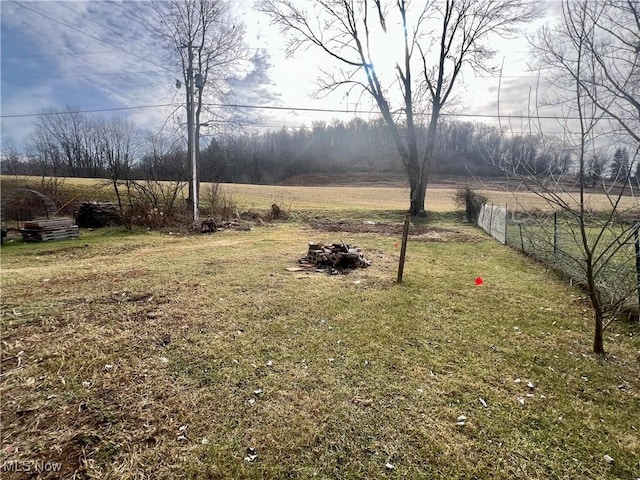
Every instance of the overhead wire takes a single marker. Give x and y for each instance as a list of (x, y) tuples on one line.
[(90, 36), (308, 109)]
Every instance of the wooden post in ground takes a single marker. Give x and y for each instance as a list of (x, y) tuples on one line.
[(403, 249)]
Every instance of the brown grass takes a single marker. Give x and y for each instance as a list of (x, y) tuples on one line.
[(171, 356), (109, 350)]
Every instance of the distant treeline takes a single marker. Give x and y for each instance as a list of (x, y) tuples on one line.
[(76, 145)]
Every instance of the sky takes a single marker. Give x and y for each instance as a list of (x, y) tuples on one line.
[(96, 56)]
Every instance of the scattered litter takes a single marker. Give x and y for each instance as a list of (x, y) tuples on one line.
[(531, 385), (108, 367), (484, 404), (521, 400), (331, 360), (269, 363), (517, 380), (608, 459), (86, 384), (205, 441), (251, 401), (251, 454), (461, 421), (183, 428), (389, 466), (181, 438), (584, 378), (258, 391)]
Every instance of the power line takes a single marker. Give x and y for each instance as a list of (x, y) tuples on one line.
[(44, 55), (93, 74), (92, 20), (310, 109), (91, 36), (95, 110)]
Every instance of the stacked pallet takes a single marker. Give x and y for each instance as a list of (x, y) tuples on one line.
[(43, 230), (337, 256)]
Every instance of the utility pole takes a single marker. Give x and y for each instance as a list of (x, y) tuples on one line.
[(191, 132)]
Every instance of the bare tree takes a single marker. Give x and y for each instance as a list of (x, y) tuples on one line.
[(439, 39), (117, 143), (591, 61), (207, 43)]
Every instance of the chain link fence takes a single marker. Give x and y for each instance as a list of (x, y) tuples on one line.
[(556, 239)]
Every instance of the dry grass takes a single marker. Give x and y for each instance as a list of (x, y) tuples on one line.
[(387, 198), (111, 344), (352, 200)]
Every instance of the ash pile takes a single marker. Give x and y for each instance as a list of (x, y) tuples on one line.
[(334, 258)]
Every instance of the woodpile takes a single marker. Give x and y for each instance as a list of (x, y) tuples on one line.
[(43, 230), (96, 215), (334, 257)]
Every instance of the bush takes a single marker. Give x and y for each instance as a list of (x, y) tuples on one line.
[(471, 201)]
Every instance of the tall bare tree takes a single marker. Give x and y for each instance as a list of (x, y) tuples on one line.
[(207, 42), (590, 58), (439, 39)]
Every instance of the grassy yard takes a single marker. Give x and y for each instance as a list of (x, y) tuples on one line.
[(163, 356)]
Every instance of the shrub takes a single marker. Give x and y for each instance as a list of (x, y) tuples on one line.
[(471, 201)]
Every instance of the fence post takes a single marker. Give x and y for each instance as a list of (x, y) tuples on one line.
[(521, 239), (403, 249), (555, 237), (506, 221), (638, 261), (491, 222)]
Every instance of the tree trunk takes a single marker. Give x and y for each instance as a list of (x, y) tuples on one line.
[(598, 345), (594, 295), (417, 196), (419, 176)]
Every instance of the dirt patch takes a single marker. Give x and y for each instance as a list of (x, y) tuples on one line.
[(423, 233)]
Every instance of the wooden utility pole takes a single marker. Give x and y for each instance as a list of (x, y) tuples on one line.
[(191, 132)]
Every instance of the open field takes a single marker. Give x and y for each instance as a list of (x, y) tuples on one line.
[(360, 200), (162, 356)]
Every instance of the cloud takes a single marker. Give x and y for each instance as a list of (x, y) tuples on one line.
[(91, 55)]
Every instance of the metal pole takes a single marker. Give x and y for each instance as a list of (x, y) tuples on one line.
[(506, 222), (638, 261), (555, 237)]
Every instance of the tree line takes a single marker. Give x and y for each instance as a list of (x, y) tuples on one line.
[(66, 143)]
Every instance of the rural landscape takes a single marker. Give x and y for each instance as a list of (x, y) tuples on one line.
[(404, 290), (168, 355)]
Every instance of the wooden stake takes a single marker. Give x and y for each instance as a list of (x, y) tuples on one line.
[(403, 250)]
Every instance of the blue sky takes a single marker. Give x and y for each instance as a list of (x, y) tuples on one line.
[(96, 55)]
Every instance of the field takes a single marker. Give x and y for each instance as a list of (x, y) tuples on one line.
[(156, 355)]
